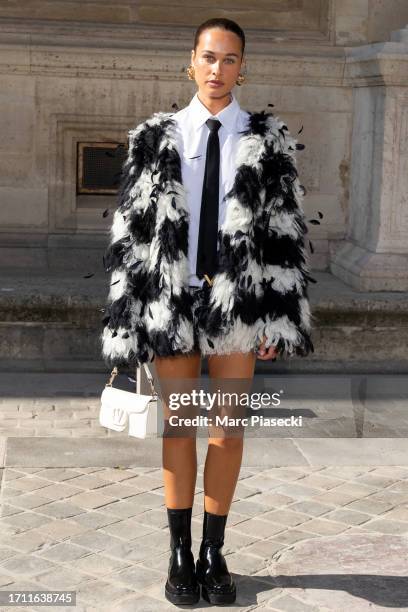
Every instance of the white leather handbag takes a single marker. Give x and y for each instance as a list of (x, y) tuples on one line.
[(121, 409)]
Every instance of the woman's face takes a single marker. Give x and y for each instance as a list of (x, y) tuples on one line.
[(217, 58)]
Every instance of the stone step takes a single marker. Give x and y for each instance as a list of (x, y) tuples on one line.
[(125, 452), (50, 321), (329, 407)]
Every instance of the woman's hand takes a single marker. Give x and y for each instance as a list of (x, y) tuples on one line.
[(264, 353)]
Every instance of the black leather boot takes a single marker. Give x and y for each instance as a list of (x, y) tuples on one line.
[(217, 585), (181, 585)]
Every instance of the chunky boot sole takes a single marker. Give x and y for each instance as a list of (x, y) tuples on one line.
[(214, 596), (218, 599), (188, 598)]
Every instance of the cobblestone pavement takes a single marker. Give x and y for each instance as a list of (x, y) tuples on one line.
[(297, 538)]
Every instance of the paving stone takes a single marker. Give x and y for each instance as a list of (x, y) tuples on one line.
[(61, 510), (23, 522), (244, 563), (30, 483), (159, 562), (290, 536), (5, 581), (88, 481), (96, 540), (369, 505), (394, 471), (142, 603), (14, 431), (132, 571), (28, 541), (60, 529), (373, 572), (119, 509), (63, 578), (90, 499), (145, 501), (64, 552), (286, 517), (398, 513), (11, 474), (265, 548), (392, 498), (335, 497), (139, 577), (88, 469), (129, 551), (347, 472), (146, 482), (349, 517), (8, 510), (311, 508), (323, 527), (119, 490), (99, 593), (248, 507), (100, 565), (155, 518), (252, 590), (7, 530), (287, 603), (321, 481), (285, 473), (117, 475), (128, 529), (10, 492), (236, 540), (261, 482), (259, 528), (57, 474), (57, 491), (297, 490), (26, 565), (242, 490), (272, 500), (377, 480), (234, 518), (196, 529), (29, 501), (384, 525), (5, 551)]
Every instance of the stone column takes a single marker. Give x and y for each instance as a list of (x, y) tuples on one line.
[(374, 255)]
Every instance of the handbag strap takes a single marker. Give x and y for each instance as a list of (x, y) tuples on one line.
[(115, 372)]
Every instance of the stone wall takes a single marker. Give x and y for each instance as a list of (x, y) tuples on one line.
[(74, 70)]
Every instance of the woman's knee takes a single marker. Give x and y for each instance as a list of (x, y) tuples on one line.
[(226, 442)]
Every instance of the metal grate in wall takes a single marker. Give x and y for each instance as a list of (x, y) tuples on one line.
[(99, 165)]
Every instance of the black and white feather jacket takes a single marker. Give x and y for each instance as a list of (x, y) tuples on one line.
[(261, 287)]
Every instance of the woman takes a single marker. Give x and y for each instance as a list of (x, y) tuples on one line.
[(207, 258)]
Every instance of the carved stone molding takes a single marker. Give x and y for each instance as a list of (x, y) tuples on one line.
[(374, 256), (67, 210)]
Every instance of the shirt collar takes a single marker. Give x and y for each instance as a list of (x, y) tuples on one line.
[(227, 116)]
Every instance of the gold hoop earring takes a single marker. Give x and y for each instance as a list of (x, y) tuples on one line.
[(190, 73), (240, 79)]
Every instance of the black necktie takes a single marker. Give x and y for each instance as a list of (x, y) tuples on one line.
[(208, 232)]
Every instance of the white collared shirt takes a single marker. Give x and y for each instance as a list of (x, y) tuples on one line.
[(193, 135)]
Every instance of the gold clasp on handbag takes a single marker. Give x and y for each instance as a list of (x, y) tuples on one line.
[(208, 279)]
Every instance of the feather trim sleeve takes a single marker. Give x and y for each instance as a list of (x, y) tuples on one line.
[(123, 338), (282, 228)]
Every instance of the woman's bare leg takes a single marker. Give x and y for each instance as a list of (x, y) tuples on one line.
[(179, 454), (224, 454)]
